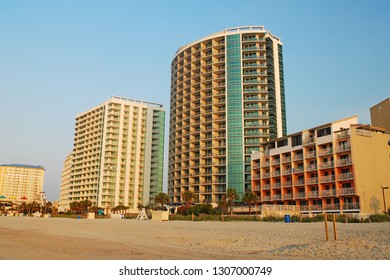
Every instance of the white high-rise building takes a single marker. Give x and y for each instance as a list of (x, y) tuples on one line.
[(63, 204), (21, 183), (117, 156)]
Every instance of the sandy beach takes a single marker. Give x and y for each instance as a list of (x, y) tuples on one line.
[(27, 238)]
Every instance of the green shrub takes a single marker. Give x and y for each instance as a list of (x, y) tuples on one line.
[(272, 219), (378, 218)]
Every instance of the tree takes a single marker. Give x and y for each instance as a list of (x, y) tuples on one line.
[(222, 204), (161, 199), (249, 198), (48, 207), (188, 197), (231, 195), (84, 205), (34, 207), (119, 208), (75, 206), (22, 207)]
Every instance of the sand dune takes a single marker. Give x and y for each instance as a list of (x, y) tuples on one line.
[(26, 238)]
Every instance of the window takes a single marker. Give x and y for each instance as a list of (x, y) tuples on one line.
[(282, 143), (323, 132), (296, 140)]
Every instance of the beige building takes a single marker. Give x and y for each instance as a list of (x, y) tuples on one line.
[(227, 97), (117, 156), (380, 115), (337, 167), (21, 183), (63, 204)]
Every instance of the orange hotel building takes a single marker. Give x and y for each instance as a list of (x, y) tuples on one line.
[(337, 167)]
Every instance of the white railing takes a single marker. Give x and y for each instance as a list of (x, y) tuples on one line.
[(326, 179), (327, 193), (345, 176), (346, 191)]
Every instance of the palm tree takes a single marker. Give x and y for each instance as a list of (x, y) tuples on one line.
[(188, 197), (119, 208), (85, 204), (22, 207), (222, 204), (231, 195), (48, 207), (75, 206), (161, 198), (249, 198), (35, 207)]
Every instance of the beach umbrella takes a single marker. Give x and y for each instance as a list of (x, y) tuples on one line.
[(24, 198), (2, 196)]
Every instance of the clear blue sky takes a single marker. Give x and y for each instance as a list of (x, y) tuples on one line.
[(60, 58)]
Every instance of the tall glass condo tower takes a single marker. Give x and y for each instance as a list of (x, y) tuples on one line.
[(227, 97)]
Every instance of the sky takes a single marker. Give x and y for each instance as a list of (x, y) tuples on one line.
[(61, 58)]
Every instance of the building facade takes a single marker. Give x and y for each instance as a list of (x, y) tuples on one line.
[(380, 114), (337, 167), (227, 97), (117, 156), (21, 183), (63, 204)]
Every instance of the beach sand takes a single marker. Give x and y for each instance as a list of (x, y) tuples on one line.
[(27, 238)]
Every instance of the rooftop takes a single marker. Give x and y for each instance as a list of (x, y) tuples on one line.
[(23, 166)]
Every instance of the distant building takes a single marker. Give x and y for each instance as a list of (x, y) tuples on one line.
[(227, 97), (337, 167), (21, 183), (63, 204), (117, 156), (380, 114)]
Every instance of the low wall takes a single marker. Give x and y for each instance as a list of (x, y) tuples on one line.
[(279, 210)]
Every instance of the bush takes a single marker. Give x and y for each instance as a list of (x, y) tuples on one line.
[(272, 219), (378, 218)]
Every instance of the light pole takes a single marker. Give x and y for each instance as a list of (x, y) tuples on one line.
[(384, 200)]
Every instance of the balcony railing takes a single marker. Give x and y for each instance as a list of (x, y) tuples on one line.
[(343, 147), (266, 198), (265, 164), (327, 179), (311, 181), (345, 161), (313, 194), (298, 170), (351, 206), (345, 176), (277, 197), (266, 187), (331, 207), (308, 140), (299, 195), (287, 184), (298, 157), (299, 182), (346, 191), (324, 152), (310, 154), (311, 167), (325, 165), (328, 193), (286, 159), (343, 134), (286, 172)]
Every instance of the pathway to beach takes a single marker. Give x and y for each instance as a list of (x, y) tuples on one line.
[(26, 238)]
